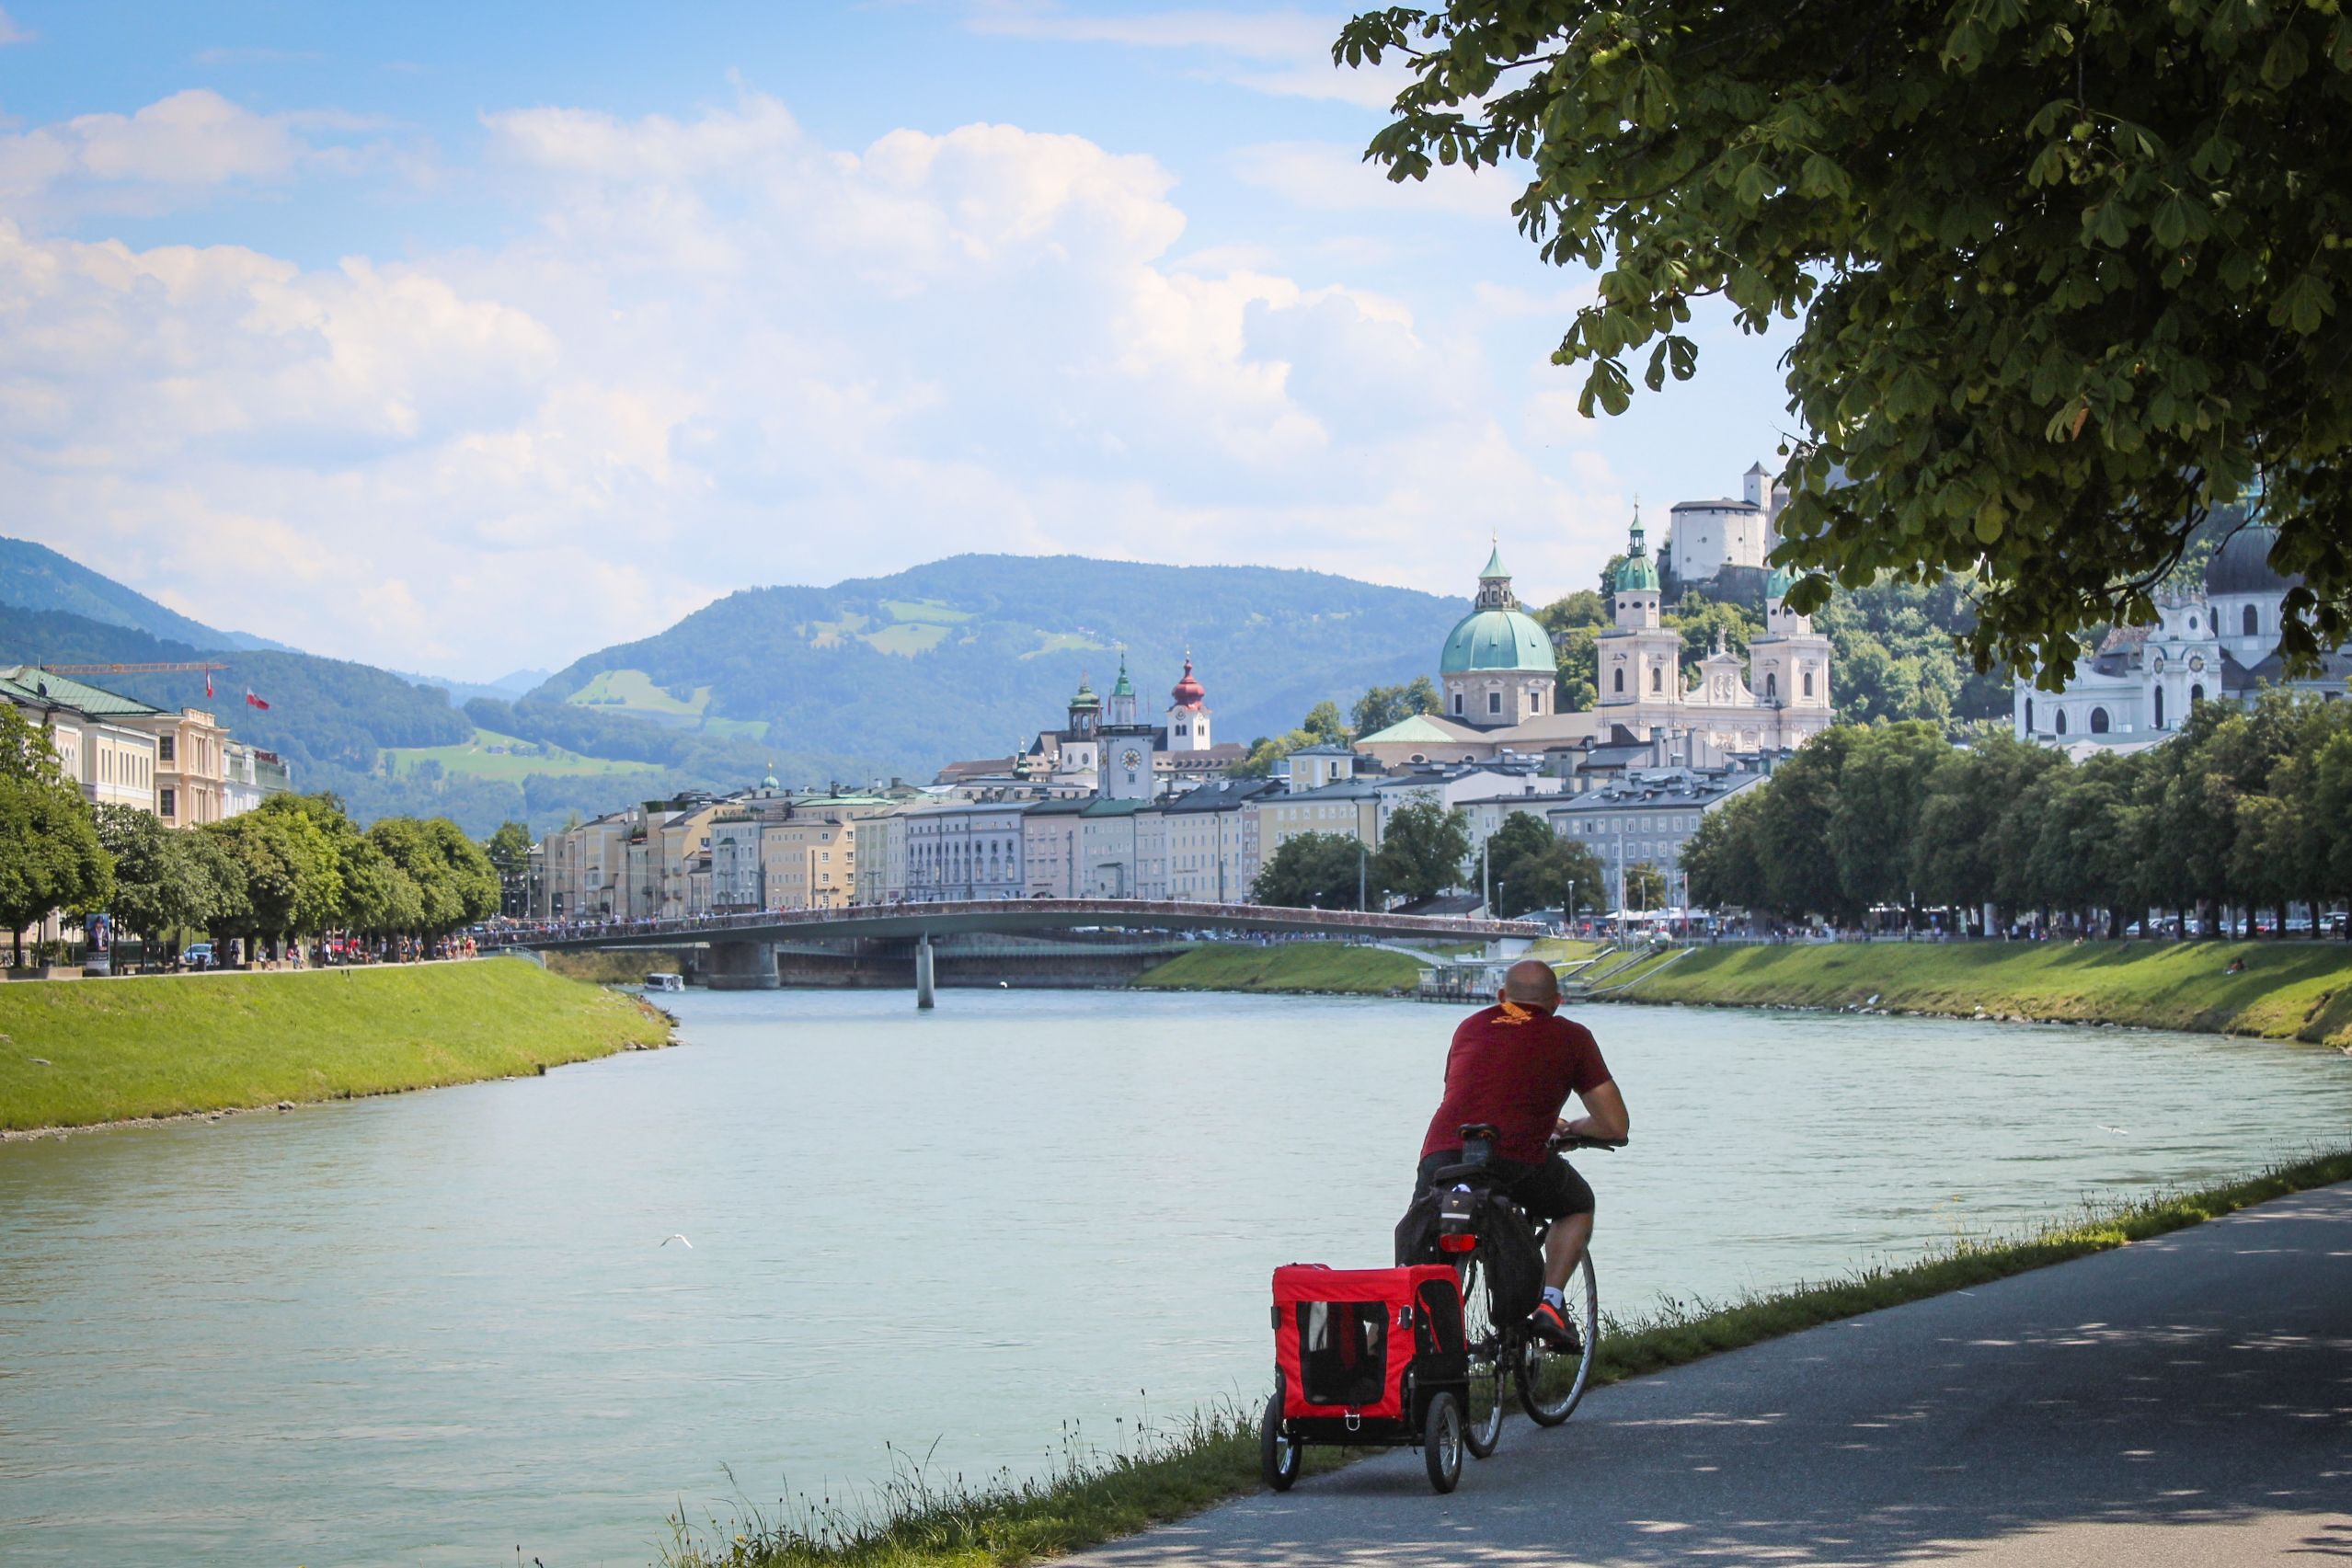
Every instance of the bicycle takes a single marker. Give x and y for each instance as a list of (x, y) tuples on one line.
[(1551, 1382)]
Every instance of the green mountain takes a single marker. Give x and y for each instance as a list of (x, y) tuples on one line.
[(971, 656), (33, 576)]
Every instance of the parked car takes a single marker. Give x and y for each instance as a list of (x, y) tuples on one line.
[(198, 956)]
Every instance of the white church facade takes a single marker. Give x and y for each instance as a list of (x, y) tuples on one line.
[(1499, 674), (2220, 644)]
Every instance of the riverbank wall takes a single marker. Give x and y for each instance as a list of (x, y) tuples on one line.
[(1316, 968), (82, 1053), (2282, 991)]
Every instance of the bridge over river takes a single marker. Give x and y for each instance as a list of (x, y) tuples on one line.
[(743, 947)]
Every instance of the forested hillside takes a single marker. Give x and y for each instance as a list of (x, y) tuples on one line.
[(33, 576), (971, 656)]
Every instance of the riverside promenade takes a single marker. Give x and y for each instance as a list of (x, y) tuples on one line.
[(2183, 1401)]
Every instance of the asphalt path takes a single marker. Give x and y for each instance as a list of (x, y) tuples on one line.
[(2183, 1401)]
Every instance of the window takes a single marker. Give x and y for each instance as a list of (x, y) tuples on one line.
[(2029, 716), (2160, 708), (1494, 702), (2253, 621), (1657, 679), (2058, 722), (2098, 721), (1535, 701), (170, 802), (1457, 703), (1771, 688), (1620, 680), (1808, 683), (166, 750), (2196, 695)]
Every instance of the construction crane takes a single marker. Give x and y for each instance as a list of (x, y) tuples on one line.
[(195, 668)]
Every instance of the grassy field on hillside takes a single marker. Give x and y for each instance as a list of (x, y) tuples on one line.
[(921, 1522), (514, 761), (1286, 965), (78, 1052), (2288, 991)]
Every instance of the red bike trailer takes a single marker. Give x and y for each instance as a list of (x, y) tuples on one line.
[(1366, 1357)]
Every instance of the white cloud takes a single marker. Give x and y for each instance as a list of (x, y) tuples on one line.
[(10, 32), (724, 353)]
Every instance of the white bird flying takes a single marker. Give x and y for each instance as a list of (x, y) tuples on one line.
[(680, 1240)]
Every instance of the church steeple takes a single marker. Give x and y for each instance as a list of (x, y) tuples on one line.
[(1494, 583)]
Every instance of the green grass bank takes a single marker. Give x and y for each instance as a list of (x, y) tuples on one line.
[(1285, 966), (76, 1053), (2298, 990), (917, 1522)]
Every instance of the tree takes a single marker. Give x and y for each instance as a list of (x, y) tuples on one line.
[(1534, 869), (1421, 850), (1793, 825), (165, 881), (2068, 273), (510, 853), (1323, 722), (286, 850), (1645, 887), (50, 860), (1956, 853), (1310, 870), (1879, 796), (1385, 705), (1720, 864)]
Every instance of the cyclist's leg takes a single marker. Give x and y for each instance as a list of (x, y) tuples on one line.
[(1552, 1192)]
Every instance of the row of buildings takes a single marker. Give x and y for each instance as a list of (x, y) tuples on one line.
[(1632, 800), (180, 764)]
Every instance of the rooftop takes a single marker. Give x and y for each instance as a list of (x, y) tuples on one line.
[(31, 684)]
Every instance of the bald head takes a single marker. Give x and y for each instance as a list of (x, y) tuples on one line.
[(1531, 983)]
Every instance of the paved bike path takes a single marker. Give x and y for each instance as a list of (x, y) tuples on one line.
[(2186, 1400)]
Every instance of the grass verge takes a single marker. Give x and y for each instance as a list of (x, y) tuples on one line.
[(618, 966), (1285, 966), (2300, 990), (914, 1522), (82, 1052)]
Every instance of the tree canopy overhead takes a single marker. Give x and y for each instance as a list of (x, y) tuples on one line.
[(2070, 273)]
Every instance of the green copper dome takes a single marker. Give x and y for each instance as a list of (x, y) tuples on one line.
[(1122, 689), (1777, 583), (1636, 573), (1086, 697), (1498, 639)]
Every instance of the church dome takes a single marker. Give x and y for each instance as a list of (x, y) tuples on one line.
[(1498, 639), (1086, 697), (1637, 574), (1777, 583), (1187, 692), (2243, 564)]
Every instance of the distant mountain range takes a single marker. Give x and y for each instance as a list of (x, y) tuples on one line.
[(963, 657)]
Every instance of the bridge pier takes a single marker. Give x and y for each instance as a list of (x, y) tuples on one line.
[(924, 969), (1508, 948), (742, 966)]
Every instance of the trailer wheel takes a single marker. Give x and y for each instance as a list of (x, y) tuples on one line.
[(1277, 1456), (1442, 1442)]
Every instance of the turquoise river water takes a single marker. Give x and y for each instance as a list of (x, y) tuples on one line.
[(434, 1328)]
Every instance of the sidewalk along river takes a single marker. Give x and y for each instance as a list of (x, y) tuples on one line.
[(428, 1329)]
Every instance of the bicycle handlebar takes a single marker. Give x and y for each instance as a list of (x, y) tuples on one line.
[(1559, 1142)]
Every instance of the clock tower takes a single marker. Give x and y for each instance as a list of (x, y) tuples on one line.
[(1127, 747)]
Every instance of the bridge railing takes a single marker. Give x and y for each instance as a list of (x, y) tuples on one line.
[(1104, 910)]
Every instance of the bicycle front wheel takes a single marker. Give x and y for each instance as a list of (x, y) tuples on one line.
[(1552, 1382), (1482, 1425)]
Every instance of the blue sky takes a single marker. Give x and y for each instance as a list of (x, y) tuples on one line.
[(462, 337)]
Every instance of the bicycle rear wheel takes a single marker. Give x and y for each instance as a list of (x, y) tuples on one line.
[(1552, 1382), (1482, 1423)]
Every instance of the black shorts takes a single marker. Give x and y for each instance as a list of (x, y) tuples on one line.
[(1549, 1191)]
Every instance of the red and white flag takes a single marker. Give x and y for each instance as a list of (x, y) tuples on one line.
[(253, 701), (208, 685)]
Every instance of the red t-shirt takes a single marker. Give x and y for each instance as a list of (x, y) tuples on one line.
[(1516, 1073)]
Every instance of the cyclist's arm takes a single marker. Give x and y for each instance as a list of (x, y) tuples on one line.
[(1604, 1113)]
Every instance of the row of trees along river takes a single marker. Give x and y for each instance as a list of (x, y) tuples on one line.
[(2244, 810), (293, 867)]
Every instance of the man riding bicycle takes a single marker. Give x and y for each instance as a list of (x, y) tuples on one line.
[(1513, 1066)]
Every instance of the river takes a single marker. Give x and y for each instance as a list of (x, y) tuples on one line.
[(431, 1328)]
